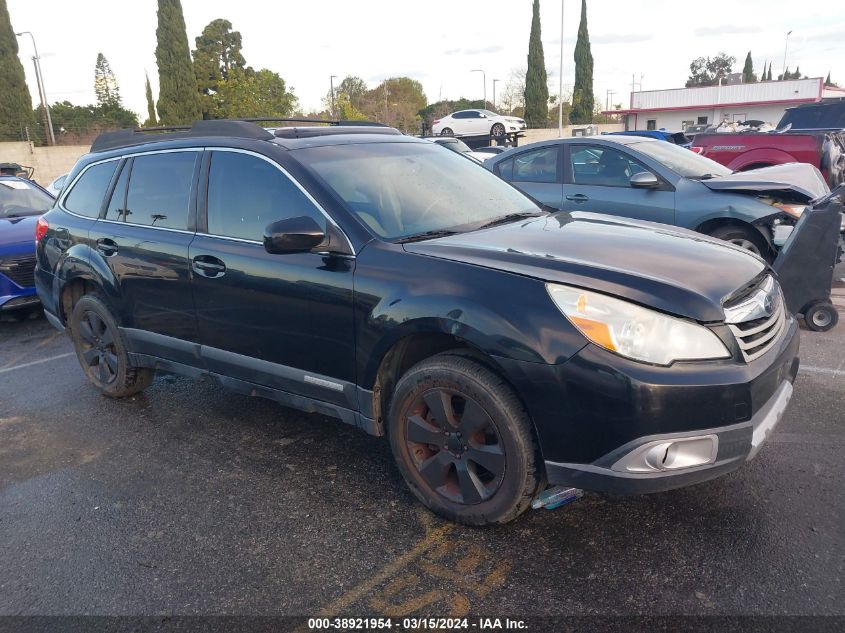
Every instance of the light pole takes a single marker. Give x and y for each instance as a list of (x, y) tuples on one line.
[(484, 79), (42, 94), (494, 92), (560, 79), (331, 88), (610, 94), (785, 48)]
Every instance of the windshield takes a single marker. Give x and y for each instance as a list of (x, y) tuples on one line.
[(681, 160), (404, 189), (454, 144), (19, 198), (489, 113)]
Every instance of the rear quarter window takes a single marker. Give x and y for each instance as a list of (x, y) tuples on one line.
[(87, 194)]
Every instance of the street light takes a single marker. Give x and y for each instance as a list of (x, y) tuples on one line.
[(484, 79), (331, 88), (42, 93), (560, 79), (494, 92), (785, 48)]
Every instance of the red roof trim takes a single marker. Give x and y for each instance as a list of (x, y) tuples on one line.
[(713, 105)]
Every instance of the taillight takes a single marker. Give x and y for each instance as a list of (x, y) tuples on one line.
[(436, 121), (697, 150), (41, 229)]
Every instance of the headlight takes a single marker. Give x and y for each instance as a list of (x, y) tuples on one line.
[(633, 331), (794, 210)]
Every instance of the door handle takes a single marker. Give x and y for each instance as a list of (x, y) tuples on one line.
[(107, 247), (208, 266), (578, 197)]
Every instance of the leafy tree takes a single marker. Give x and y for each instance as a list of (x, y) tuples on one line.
[(748, 75), (105, 83), (151, 107), (346, 111), (582, 97), (396, 102), (536, 86), (15, 101), (354, 88), (247, 93), (707, 71), (178, 100), (218, 52), (80, 124)]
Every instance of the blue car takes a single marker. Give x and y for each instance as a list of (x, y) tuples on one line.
[(21, 204), (648, 179), (678, 138)]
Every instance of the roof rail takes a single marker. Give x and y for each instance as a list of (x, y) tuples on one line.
[(216, 127), (238, 128), (312, 132)]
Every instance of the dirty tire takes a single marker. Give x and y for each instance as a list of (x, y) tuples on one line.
[(744, 237), (101, 350), (821, 317), (496, 431)]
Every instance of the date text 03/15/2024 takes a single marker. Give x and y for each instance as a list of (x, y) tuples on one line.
[(416, 624)]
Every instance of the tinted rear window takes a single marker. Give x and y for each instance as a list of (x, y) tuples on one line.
[(827, 116), (86, 196), (160, 190)]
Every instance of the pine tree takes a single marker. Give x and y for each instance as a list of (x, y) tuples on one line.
[(536, 82), (582, 96), (217, 54), (748, 75), (15, 102), (178, 99), (151, 106), (105, 84)]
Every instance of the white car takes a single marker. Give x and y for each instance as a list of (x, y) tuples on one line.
[(457, 145), (476, 123), (55, 187)]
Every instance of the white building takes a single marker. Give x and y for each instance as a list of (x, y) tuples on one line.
[(675, 109)]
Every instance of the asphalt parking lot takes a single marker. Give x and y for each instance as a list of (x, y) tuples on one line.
[(190, 500)]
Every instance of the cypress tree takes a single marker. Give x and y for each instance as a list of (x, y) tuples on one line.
[(151, 106), (769, 76), (15, 101), (178, 99), (536, 82), (828, 82), (748, 75), (582, 97)]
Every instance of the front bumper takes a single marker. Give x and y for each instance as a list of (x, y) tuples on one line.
[(597, 408)]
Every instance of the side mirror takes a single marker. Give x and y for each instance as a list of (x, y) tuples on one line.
[(293, 235), (644, 180)]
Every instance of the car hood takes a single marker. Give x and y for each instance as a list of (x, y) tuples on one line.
[(795, 180), (17, 230), (673, 270)]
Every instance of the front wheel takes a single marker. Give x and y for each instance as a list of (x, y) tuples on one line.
[(102, 352), (744, 237), (463, 441)]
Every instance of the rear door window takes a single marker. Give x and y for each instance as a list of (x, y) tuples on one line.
[(86, 196), (539, 165), (246, 193), (159, 192)]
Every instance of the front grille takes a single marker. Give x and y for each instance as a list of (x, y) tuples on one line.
[(20, 269), (757, 334)]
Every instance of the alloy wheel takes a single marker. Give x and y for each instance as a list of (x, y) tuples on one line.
[(746, 244), (97, 348), (455, 446)]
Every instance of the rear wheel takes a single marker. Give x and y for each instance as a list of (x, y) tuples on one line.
[(447, 131), (463, 441), (744, 237), (821, 317), (498, 130), (102, 352)]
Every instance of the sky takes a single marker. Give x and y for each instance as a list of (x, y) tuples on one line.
[(438, 44)]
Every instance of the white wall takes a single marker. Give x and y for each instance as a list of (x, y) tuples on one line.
[(736, 93), (49, 162), (673, 120)]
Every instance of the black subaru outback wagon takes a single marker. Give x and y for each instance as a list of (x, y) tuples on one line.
[(408, 291)]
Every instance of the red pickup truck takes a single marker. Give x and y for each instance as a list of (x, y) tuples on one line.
[(813, 133)]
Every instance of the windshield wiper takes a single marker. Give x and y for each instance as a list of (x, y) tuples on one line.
[(426, 235), (511, 217)]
